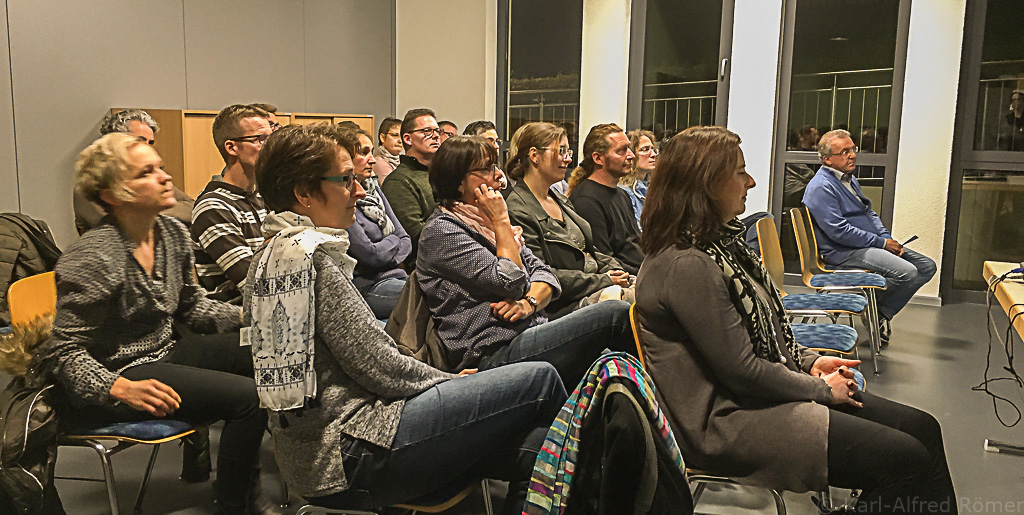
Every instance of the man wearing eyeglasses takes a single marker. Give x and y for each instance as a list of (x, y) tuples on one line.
[(408, 187), (228, 216), (850, 234)]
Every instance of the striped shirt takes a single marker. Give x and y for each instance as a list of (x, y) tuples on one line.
[(226, 228)]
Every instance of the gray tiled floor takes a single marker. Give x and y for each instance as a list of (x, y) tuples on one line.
[(937, 355)]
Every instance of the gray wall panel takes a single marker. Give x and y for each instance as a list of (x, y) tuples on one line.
[(242, 51), (348, 57), (8, 160), (68, 69)]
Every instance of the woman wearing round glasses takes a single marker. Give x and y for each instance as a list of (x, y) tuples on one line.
[(357, 424), (551, 227), (641, 142), (486, 290)]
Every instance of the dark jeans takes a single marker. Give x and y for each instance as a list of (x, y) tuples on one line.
[(892, 452), (213, 376), (571, 343), (488, 425)]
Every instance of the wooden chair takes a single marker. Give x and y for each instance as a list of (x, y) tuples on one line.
[(36, 296), (431, 504), (697, 477), (821, 279)]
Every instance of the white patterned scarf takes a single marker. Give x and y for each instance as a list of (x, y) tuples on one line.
[(283, 308), (384, 153)]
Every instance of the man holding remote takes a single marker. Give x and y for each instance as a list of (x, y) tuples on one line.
[(850, 234)]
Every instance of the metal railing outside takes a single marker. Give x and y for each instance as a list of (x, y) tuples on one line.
[(559, 106), (857, 100)]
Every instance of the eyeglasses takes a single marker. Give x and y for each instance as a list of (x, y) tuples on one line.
[(488, 171), (495, 141), (563, 152), (428, 132), (254, 139), (847, 151), (274, 126), (647, 150), (347, 181)]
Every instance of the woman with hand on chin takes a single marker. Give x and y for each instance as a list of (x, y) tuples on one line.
[(119, 290), (551, 227), (744, 399), (356, 423), (486, 290)]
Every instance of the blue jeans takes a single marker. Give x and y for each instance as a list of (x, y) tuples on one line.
[(571, 343), (382, 297), (904, 275), (490, 424)]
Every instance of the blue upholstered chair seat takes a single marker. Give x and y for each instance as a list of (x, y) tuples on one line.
[(853, 279), (145, 430), (835, 337), (831, 302), (857, 376)]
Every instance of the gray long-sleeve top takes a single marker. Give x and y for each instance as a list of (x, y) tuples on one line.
[(112, 316), (460, 275), (362, 383)]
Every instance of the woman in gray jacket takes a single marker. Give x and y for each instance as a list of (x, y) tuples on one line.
[(357, 424), (744, 399)]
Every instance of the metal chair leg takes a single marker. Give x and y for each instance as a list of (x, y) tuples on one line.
[(874, 331), (698, 491), (487, 497), (780, 505), (145, 479), (108, 473), (286, 499)]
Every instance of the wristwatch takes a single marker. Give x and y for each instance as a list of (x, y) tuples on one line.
[(532, 301)]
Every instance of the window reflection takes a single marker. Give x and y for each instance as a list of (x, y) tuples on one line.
[(999, 124), (990, 229)]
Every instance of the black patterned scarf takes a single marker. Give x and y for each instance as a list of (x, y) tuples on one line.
[(735, 258)]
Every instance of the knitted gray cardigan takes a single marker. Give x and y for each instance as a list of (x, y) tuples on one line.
[(362, 384)]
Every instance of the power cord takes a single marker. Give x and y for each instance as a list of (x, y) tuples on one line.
[(1007, 349)]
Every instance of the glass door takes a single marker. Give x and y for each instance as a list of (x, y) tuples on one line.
[(679, 65)]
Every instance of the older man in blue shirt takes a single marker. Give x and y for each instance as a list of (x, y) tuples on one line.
[(849, 232)]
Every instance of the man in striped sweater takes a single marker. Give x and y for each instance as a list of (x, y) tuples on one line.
[(228, 216)]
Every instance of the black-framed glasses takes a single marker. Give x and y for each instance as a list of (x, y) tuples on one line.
[(347, 181), (563, 152), (428, 132), (254, 139), (847, 151)]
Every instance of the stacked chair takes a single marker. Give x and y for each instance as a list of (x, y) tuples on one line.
[(816, 276)]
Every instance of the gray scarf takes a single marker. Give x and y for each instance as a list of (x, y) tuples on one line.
[(383, 153), (373, 207)]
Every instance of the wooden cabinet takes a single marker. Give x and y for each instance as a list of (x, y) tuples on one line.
[(185, 141)]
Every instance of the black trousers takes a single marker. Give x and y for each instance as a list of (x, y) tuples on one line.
[(213, 376), (894, 453)]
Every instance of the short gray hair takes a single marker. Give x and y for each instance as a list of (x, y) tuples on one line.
[(825, 143), (121, 121)]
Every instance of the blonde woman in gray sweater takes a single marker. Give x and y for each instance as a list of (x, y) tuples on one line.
[(357, 424)]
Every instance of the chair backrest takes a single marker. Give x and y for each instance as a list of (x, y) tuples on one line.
[(32, 297), (808, 250), (636, 333), (771, 251)]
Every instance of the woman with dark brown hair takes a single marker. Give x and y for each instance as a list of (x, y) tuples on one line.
[(744, 398), (486, 290), (551, 227)]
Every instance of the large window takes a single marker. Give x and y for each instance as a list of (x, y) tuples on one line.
[(842, 66), (683, 65), (544, 44), (987, 176)]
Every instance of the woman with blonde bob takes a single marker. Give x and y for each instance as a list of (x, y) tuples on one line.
[(551, 227), (744, 398), (120, 289)]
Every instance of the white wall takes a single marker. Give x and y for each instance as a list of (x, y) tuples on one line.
[(604, 67), (757, 29), (70, 62), (446, 58), (926, 131)]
